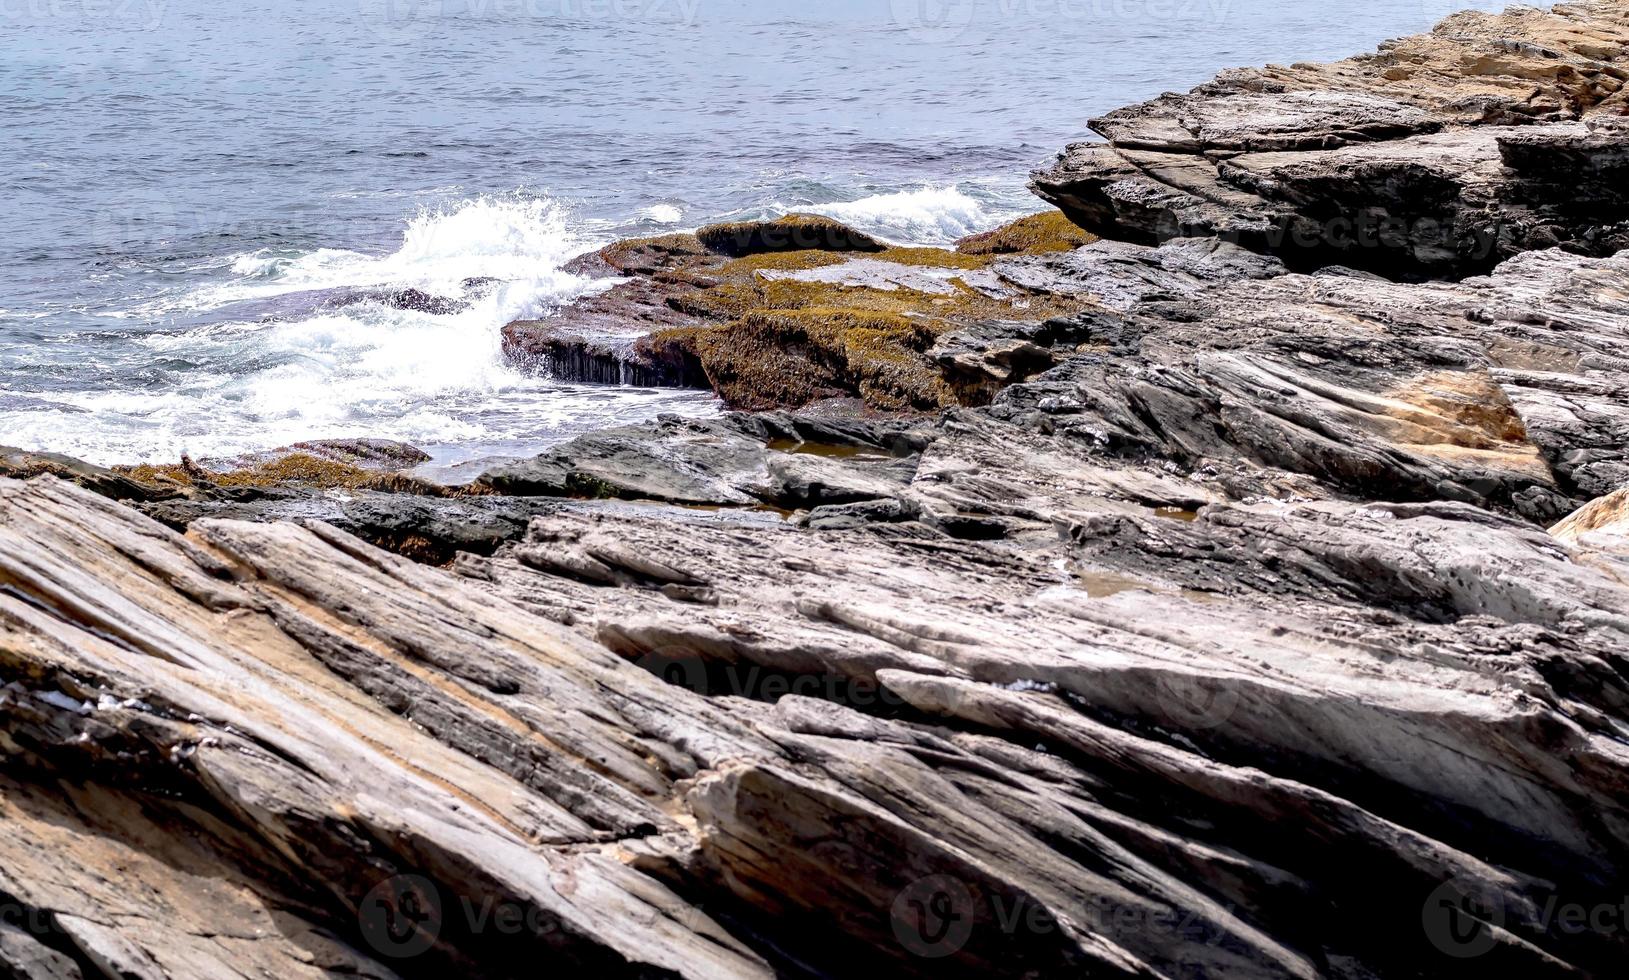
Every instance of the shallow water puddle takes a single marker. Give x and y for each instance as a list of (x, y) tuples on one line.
[(1177, 514), (829, 450)]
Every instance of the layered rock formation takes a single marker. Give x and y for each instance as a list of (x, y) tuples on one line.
[(987, 708), (1212, 629), (1440, 155)]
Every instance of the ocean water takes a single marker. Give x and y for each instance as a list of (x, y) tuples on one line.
[(198, 195)]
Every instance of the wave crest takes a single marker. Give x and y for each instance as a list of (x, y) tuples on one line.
[(930, 216)]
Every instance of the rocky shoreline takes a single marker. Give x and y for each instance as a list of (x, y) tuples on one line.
[(1137, 590)]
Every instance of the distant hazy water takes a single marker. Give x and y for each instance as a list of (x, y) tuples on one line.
[(181, 177)]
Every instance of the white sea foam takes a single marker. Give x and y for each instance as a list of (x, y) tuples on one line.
[(500, 238), (366, 369), (930, 216), (665, 214)]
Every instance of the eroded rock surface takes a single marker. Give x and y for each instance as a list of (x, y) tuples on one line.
[(1184, 736), (1211, 630), (1505, 390), (1440, 155)]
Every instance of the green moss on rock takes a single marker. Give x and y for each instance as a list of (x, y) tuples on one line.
[(793, 233), (726, 309), (772, 358), (1036, 234), (801, 261), (936, 258)]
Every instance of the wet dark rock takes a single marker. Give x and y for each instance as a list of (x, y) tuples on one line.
[(849, 431), (410, 299), (435, 530), (419, 301), (20, 464), (562, 351), (432, 530), (863, 513), (278, 504)]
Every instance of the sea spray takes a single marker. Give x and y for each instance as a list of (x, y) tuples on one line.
[(334, 357)]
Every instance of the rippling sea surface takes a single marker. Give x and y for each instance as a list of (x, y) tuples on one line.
[(191, 188)]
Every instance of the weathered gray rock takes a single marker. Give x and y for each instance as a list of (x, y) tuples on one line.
[(255, 780), (1440, 155), (1501, 390), (729, 462), (983, 359), (1156, 762)]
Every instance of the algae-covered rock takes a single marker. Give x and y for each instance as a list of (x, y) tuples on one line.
[(773, 329), (639, 256), (793, 233), (774, 358), (1036, 234), (300, 469)]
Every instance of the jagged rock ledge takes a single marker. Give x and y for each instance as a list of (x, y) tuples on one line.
[(1440, 155)]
